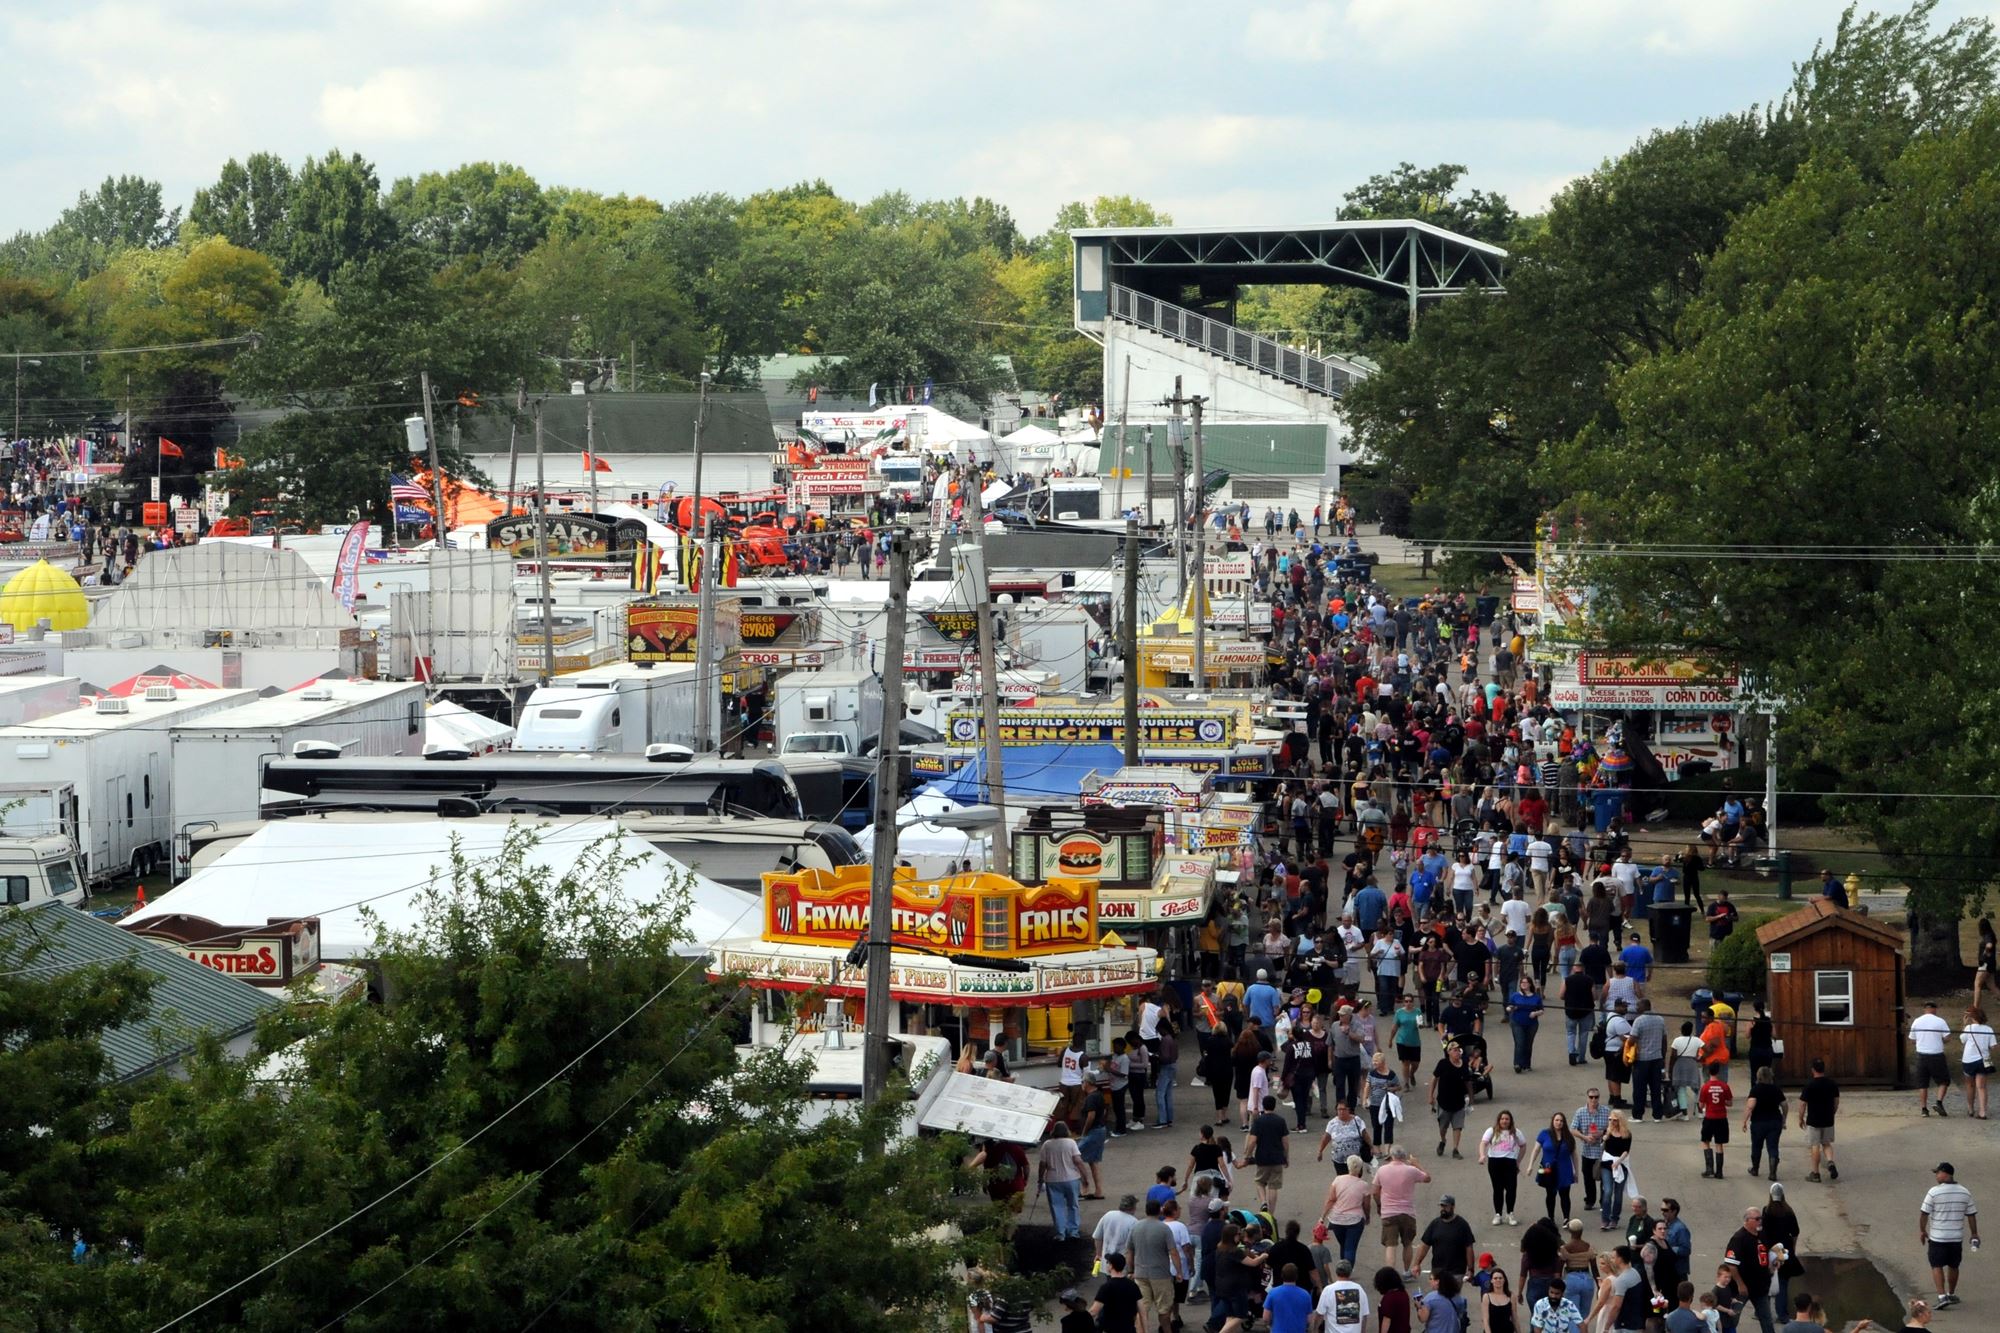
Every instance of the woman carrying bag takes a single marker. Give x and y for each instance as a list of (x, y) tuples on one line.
[(1976, 1059), (1552, 1160)]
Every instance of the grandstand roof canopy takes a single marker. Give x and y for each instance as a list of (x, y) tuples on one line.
[(1397, 256)]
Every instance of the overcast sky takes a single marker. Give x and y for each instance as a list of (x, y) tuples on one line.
[(1221, 113)]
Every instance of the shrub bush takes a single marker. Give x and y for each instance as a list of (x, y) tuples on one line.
[(1737, 963)]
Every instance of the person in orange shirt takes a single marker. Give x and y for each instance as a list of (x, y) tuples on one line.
[(1715, 1048)]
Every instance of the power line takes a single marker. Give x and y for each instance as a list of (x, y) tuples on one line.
[(462, 1145)]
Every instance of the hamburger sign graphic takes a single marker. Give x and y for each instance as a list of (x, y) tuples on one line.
[(1082, 856)]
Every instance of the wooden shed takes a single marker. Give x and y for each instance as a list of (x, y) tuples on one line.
[(1835, 989)]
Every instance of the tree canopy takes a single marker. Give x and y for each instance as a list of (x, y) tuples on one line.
[(1738, 356), (545, 1120)]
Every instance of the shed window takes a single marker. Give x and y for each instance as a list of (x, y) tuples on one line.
[(1833, 999)]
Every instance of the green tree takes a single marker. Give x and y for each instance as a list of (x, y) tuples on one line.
[(899, 309), (34, 318), (334, 215), (496, 212), (1432, 194), (125, 212), (554, 1091), (1472, 415), (206, 292), (587, 302), (347, 368), (247, 204), (1845, 333)]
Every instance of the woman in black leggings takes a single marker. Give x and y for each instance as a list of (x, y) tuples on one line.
[(1500, 1149)]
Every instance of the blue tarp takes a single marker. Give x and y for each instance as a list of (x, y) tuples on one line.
[(1031, 771)]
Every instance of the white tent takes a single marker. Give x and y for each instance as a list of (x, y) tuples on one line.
[(1032, 434), (297, 868), (450, 724)]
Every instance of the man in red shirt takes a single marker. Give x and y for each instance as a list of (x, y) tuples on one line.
[(1713, 1099)]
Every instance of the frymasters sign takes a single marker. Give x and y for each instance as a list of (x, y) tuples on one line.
[(1159, 728), (972, 914)]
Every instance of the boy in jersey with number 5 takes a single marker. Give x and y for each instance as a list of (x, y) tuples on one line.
[(1714, 1099)]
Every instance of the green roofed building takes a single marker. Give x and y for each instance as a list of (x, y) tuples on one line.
[(189, 1002)]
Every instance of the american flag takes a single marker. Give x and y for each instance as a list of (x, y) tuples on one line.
[(402, 490)]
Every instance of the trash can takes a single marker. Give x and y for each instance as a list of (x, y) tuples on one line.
[(1672, 926)]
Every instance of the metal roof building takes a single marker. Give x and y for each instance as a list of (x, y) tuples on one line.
[(190, 1001)]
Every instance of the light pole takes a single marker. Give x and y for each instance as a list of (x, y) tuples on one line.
[(17, 391)]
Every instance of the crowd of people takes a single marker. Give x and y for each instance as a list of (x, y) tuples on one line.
[(1492, 877)]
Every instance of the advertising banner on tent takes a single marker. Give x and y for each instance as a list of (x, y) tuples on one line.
[(347, 566)]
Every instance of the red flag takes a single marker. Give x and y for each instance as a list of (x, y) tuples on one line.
[(168, 449), (594, 464)]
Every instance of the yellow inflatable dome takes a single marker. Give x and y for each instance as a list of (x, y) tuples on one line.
[(43, 592)]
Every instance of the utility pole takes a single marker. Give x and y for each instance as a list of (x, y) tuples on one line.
[(1200, 557), (1124, 403), (437, 476), (700, 419), (632, 365), (882, 879), (513, 441), (1128, 638), (590, 446), (542, 554), (1180, 493), (706, 664), (989, 674)]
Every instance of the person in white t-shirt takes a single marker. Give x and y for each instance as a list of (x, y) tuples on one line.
[(1517, 912), (1541, 862), (1928, 1033), (1343, 1302), (1627, 874), (1975, 1057)]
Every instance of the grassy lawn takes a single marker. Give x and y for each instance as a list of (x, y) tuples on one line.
[(1405, 580)]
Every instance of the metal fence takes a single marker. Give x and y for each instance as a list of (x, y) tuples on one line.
[(1319, 374)]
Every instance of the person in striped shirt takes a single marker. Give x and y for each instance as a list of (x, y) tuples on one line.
[(1947, 1217)]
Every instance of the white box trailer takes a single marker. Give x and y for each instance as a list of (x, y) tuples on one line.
[(26, 698), (115, 754), (618, 708), (218, 761)]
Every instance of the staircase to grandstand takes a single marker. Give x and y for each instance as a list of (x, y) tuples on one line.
[(1327, 375)]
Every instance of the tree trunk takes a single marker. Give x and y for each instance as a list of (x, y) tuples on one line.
[(1934, 956)]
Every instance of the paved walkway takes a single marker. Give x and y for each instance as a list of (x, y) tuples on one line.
[(1885, 1151)]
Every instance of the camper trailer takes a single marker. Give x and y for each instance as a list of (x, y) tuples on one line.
[(218, 762), (620, 708), (115, 760)]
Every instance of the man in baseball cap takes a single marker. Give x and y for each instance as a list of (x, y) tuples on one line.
[(1947, 1217), (1448, 1240)]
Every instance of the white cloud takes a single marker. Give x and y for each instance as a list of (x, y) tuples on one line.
[(1268, 116), (390, 104)]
